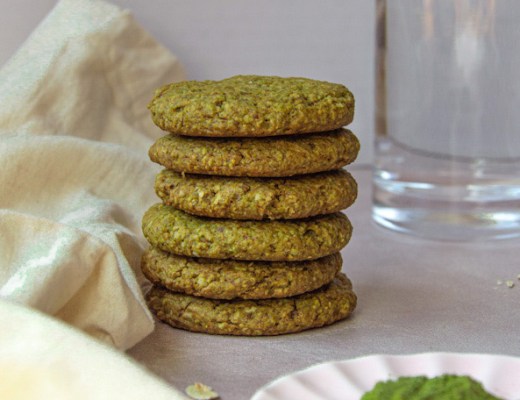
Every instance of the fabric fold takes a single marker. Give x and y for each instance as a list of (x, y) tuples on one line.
[(75, 176), (73, 251), (42, 358)]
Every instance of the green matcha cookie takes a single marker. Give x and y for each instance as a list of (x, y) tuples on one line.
[(324, 306), (251, 106), (180, 233), (257, 198), (229, 279), (257, 157)]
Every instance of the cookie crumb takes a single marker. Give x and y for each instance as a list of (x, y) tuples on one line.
[(510, 284), (199, 391)]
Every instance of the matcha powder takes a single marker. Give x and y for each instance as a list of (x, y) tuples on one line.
[(445, 387)]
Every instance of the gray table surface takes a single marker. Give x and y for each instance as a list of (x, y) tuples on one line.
[(414, 296)]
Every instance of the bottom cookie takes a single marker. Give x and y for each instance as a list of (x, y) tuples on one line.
[(324, 306)]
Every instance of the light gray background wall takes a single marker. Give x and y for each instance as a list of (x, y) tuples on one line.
[(322, 39)]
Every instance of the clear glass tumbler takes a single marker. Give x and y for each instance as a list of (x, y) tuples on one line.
[(447, 154)]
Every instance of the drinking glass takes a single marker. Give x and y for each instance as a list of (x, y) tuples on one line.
[(447, 151)]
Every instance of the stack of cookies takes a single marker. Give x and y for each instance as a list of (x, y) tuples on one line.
[(247, 237)]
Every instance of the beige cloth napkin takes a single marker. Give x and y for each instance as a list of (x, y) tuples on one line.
[(42, 358), (75, 178)]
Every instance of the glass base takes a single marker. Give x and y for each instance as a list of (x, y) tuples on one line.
[(445, 225), (445, 199)]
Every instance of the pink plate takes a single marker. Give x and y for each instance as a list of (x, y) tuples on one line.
[(349, 379)]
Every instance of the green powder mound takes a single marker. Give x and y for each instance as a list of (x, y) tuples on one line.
[(444, 387)]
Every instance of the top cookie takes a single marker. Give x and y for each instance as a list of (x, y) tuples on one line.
[(249, 105)]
